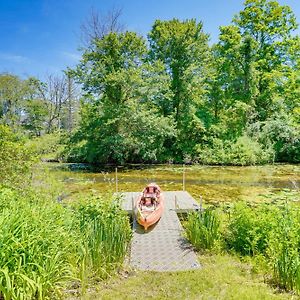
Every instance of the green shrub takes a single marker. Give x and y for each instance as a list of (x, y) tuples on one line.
[(280, 132), (45, 144), (15, 159), (203, 228), (246, 151), (243, 151), (249, 228)]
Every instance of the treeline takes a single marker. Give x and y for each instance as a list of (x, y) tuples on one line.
[(36, 107), (173, 97)]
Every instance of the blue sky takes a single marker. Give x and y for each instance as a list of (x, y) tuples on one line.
[(39, 37)]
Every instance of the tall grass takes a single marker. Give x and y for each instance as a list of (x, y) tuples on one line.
[(46, 246), (284, 249), (202, 228), (269, 232), (105, 232)]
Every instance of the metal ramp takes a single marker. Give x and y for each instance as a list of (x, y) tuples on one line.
[(163, 247)]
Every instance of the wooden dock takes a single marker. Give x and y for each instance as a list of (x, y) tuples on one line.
[(163, 247)]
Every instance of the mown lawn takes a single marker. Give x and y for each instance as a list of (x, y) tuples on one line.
[(221, 277)]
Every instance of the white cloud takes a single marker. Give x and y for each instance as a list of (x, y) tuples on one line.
[(71, 56), (13, 57)]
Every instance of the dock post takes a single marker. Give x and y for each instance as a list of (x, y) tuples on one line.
[(116, 179), (183, 179), (200, 203), (132, 207)]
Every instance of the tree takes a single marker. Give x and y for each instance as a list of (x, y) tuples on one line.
[(54, 93), (13, 91), (97, 25), (183, 49), (254, 59), (116, 124)]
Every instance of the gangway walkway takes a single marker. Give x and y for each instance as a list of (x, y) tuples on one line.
[(163, 247)]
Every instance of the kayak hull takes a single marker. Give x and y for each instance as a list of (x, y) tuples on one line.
[(148, 216)]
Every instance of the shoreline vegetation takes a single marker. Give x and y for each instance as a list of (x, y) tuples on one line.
[(77, 248), (169, 98)]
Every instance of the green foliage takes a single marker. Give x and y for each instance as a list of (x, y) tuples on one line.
[(182, 47), (118, 135), (244, 151), (13, 92), (249, 229), (203, 228), (111, 70), (269, 233), (284, 251), (282, 134), (45, 144), (36, 245), (45, 246), (116, 125), (105, 232), (15, 158), (174, 98), (36, 113)]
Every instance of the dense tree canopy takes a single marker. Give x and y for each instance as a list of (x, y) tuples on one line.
[(223, 104), (173, 97)]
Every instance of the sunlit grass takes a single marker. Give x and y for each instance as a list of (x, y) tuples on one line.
[(221, 277)]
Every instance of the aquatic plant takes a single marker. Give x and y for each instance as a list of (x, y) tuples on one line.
[(105, 232), (202, 228)]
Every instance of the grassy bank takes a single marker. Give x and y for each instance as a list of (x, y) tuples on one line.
[(47, 247), (268, 234), (222, 276)]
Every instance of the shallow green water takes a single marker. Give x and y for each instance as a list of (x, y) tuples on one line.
[(214, 184)]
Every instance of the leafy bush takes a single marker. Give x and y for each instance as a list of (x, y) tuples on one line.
[(249, 229), (119, 134), (244, 151), (45, 144), (282, 134), (267, 232), (15, 158)]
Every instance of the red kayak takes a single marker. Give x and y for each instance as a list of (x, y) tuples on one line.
[(149, 205)]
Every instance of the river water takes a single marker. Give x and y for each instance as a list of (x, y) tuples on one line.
[(214, 184)]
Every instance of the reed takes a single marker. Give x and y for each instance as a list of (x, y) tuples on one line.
[(284, 249), (46, 246), (202, 228), (105, 232)]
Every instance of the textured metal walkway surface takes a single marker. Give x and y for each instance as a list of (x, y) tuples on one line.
[(163, 247)]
